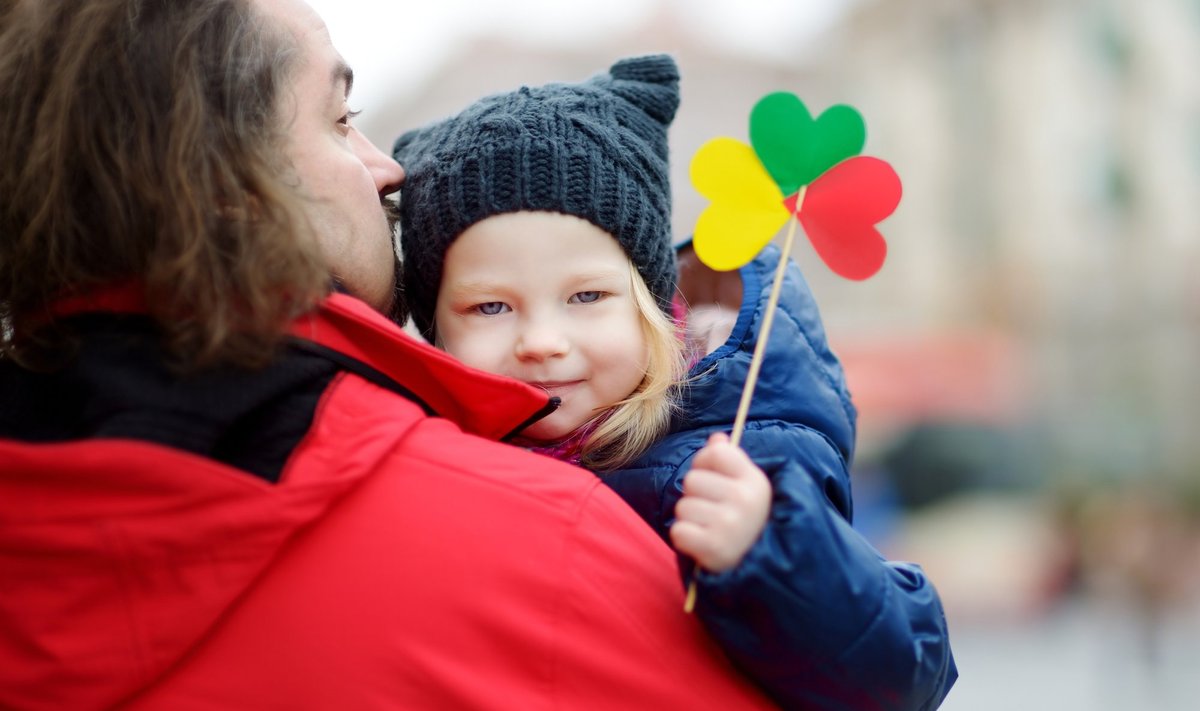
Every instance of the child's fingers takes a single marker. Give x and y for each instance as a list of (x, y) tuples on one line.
[(708, 484), (740, 490), (725, 503), (711, 550), (701, 512), (694, 541), (722, 456)]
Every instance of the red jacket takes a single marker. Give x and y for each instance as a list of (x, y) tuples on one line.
[(398, 564)]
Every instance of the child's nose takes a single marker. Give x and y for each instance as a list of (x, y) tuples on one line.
[(540, 341)]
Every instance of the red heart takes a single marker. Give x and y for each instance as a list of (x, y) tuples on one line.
[(840, 211)]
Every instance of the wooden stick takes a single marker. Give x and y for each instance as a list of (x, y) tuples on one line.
[(739, 421)]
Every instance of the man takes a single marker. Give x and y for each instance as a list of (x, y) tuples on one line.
[(221, 487)]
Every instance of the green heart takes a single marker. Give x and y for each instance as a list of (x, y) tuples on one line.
[(793, 147)]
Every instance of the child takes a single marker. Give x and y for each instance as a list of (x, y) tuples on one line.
[(536, 239)]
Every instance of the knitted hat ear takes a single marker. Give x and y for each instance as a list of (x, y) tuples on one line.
[(651, 83)]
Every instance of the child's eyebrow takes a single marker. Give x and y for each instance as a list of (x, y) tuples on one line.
[(467, 288), (601, 275)]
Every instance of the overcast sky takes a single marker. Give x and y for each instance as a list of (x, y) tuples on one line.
[(393, 44)]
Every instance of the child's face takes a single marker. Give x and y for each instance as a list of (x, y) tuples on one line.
[(544, 298)]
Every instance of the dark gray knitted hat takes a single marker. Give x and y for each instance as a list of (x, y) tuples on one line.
[(596, 150)]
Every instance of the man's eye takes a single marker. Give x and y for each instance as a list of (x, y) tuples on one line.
[(491, 308), (586, 297)]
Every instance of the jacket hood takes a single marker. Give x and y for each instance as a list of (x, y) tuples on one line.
[(801, 381)]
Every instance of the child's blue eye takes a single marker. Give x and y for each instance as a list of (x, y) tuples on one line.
[(491, 308), (586, 297)]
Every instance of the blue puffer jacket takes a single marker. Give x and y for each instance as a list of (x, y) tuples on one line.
[(813, 612)]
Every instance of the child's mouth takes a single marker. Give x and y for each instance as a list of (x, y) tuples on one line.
[(555, 387)]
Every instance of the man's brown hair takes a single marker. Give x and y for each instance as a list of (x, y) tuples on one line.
[(140, 143)]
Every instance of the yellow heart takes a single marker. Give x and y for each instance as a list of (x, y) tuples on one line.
[(747, 206)]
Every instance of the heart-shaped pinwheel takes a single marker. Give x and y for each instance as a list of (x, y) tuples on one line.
[(795, 165)]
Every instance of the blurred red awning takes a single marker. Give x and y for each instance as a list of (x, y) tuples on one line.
[(899, 379)]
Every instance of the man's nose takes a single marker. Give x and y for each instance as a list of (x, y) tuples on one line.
[(386, 172), (541, 341)]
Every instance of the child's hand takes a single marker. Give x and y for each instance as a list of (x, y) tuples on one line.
[(726, 500)]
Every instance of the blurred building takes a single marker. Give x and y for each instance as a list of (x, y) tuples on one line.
[(1051, 157)]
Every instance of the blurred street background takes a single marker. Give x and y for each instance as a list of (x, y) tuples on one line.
[(1025, 364)]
